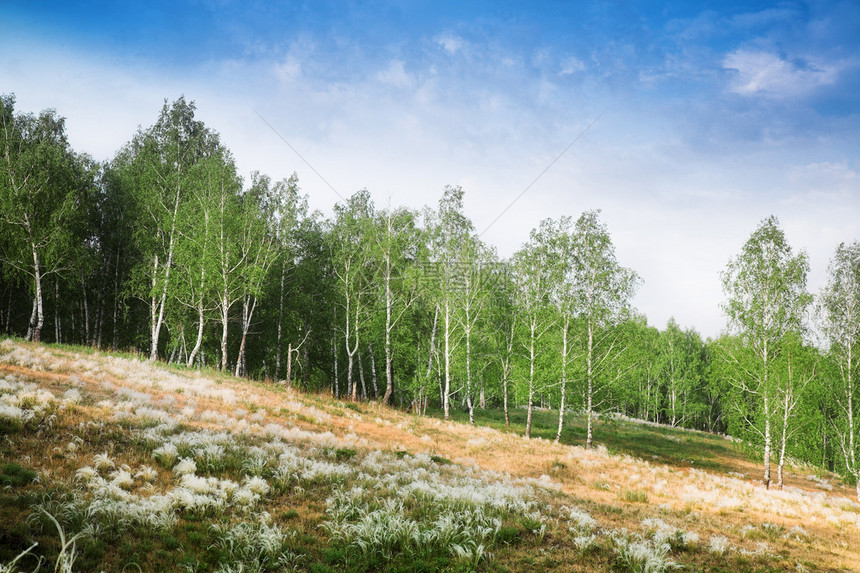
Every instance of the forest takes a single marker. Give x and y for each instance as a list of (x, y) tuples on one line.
[(166, 251)]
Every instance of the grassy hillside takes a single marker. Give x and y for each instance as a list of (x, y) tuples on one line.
[(109, 463)]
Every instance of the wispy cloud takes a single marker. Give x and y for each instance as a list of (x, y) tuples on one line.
[(571, 66), (395, 75), (450, 43), (288, 69), (765, 73)]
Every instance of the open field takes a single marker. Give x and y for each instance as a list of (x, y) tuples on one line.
[(114, 464)]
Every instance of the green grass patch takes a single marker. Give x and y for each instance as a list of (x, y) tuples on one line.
[(14, 475), (634, 496), (661, 444)]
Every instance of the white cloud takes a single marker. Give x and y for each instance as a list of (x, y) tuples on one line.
[(759, 72), (450, 43), (765, 17), (571, 66), (288, 69), (395, 75)]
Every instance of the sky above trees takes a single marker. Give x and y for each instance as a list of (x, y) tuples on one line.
[(689, 123)]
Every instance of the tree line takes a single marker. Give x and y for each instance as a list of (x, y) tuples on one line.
[(166, 251)]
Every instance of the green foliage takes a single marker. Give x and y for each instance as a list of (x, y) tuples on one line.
[(766, 305), (14, 475), (634, 496), (167, 249)]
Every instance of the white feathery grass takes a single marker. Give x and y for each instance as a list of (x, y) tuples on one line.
[(185, 466), (147, 474), (103, 462), (166, 454), (581, 520), (719, 544)]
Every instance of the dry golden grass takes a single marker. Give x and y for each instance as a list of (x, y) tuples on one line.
[(617, 490)]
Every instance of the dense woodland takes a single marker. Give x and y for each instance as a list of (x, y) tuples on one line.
[(166, 251)]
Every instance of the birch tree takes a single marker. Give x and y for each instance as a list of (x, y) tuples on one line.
[(766, 294), (197, 262), (476, 260), (288, 208), (232, 249), (535, 272), (449, 231), (796, 371), (397, 243), (257, 214), (838, 312), (503, 332), (602, 291), (158, 167), (351, 241), (39, 177)]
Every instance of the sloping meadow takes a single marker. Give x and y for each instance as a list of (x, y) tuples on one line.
[(109, 463)]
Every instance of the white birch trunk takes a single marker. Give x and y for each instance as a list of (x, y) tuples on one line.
[(563, 377), (589, 374), (532, 335), (447, 391)]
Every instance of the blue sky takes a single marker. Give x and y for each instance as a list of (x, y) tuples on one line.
[(691, 121)]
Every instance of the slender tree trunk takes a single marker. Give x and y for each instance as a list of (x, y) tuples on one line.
[(100, 308), (589, 374), (849, 378), (350, 352), (305, 361), (447, 392), (249, 303), (361, 377), (767, 443), (156, 328), (37, 319), (31, 328), (469, 401), (86, 312), (336, 374), (115, 338), (766, 411), (532, 335), (336, 385), (673, 398), (280, 322), (199, 341), (506, 371), (289, 364), (422, 391), (200, 320), (225, 314), (389, 375), (8, 312), (153, 313), (57, 327), (566, 322), (784, 437), (373, 371), (505, 398)]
